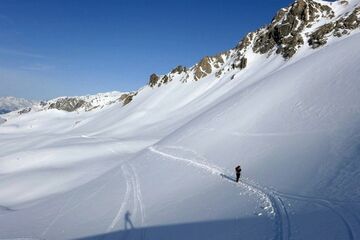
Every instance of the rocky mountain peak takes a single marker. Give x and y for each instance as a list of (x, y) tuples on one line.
[(285, 31), (303, 23)]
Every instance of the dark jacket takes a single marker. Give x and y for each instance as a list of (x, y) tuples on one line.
[(238, 169)]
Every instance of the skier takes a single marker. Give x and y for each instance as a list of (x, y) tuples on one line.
[(238, 171)]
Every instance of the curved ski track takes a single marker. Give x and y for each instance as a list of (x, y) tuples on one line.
[(272, 200)]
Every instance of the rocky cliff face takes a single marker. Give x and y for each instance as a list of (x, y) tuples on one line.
[(338, 28), (303, 23), (284, 34)]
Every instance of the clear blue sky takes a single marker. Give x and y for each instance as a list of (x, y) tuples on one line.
[(53, 48)]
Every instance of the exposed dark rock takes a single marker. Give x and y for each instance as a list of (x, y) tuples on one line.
[(25, 110), (217, 60), (245, 42), (123, 96), (240, 63), (153, 80), (243, 63), (165, 79), (338, 28), (202, 68), (128, 97), (284, 31), (219, 73), (69, 104), (352, 21), (318, 38), (179, 69)]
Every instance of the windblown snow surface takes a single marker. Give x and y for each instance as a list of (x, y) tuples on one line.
[(162, 166)]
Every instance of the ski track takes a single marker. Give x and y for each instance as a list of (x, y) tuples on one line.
[(64, 210), (138, 193), (277, 209), (324, 203), (273, 200), (124, 201), (285, 220), (137, 199), (271, 205), (58, 215)]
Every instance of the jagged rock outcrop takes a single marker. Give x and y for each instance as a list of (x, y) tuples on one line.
[(127, 97), (69, 104), (206, 66), (337, 28), (156, 80), (245, 43), (284, 32), (179, 70), (240, 63), (25, 110), (203, 68), (153, 80)]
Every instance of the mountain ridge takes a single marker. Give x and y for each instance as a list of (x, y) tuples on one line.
[(305, 24)]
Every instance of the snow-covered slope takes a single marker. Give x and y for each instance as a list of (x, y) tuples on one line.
[(161, 166), (8, 104)]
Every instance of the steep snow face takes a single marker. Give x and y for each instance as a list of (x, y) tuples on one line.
[(9, 104), (162, 166)]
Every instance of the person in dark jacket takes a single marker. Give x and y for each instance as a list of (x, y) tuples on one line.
[(238, 172)]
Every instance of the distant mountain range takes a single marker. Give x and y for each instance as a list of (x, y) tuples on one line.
[(9, 104)]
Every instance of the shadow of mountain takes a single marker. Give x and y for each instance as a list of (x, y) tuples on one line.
[(247, 228)]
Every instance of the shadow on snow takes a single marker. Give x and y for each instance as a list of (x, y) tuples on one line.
[(246, 228)]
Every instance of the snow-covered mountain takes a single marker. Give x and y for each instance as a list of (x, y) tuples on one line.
[(86, 103), (284, 103), (9, 104)]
